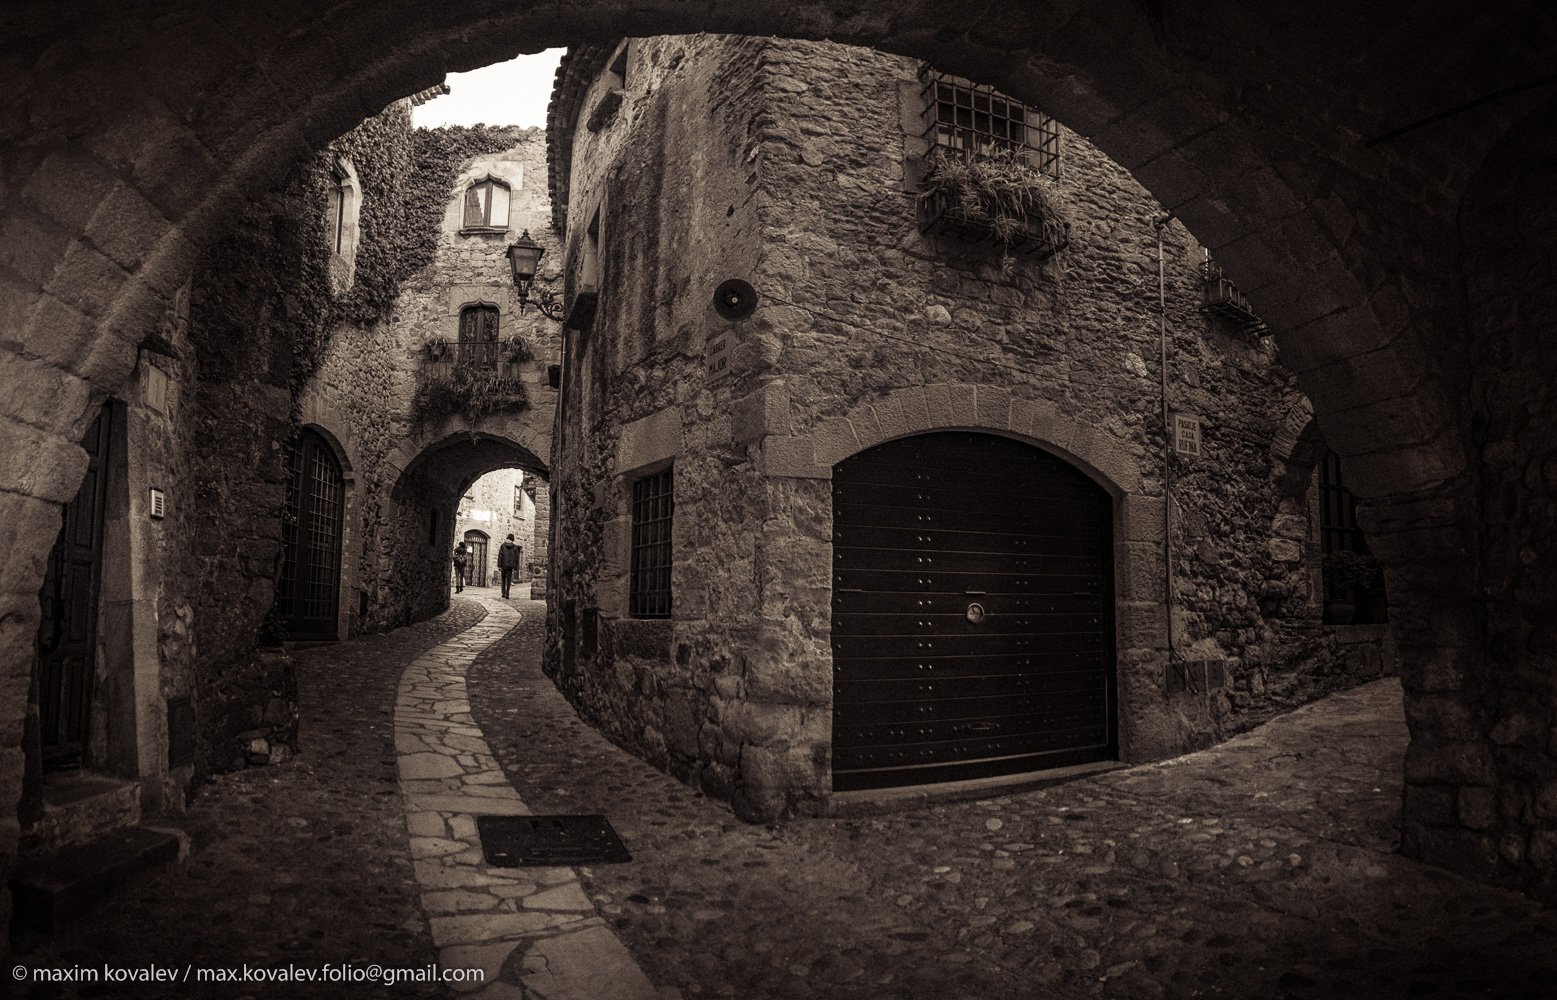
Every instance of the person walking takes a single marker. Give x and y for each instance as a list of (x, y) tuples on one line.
[(507, 562), (461, 554)]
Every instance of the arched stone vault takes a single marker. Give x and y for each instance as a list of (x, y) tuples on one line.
[(130, 133), (460, 458)]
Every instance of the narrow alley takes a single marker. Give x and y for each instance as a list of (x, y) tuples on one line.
[(1263, 867)]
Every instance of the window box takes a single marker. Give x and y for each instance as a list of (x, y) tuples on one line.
[(943, 213)]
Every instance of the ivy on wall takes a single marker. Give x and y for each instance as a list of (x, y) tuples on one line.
[(265, 307)]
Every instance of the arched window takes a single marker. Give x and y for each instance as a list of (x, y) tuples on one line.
[(486, 205), (341, 223), (478, 336)]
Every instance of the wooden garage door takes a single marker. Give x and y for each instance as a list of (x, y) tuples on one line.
[(972, 628)]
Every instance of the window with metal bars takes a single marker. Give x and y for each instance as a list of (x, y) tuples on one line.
[(971, 119), (649, 587), (478, 336), (1338, 530)]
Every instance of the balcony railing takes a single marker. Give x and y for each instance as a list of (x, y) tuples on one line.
[(1221, 298)]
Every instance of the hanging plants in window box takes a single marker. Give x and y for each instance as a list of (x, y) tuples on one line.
[(997, 199), (517, 350), (467, 390), (437, 348)]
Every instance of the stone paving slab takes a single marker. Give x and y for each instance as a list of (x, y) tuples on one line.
[(533, 930), (1259, 868)]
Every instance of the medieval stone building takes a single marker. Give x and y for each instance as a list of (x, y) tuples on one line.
[(289, 465), (854, 495), (1378, 184)]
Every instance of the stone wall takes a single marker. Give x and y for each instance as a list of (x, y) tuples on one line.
[(540, 553), (868, 330), (1482, 773)]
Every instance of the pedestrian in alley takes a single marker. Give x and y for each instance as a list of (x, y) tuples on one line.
[(460, 555), (507, 562)]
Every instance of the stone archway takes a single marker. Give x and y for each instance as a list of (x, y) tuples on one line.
[(1331, 202), (1140, 625)]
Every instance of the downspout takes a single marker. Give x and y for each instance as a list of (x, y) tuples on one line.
[(1159, 224)]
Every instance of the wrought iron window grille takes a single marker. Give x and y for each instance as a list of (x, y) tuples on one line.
[(971, 120), (653, 506), (998, 139)]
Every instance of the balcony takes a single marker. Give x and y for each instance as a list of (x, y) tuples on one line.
[(1221, 298)]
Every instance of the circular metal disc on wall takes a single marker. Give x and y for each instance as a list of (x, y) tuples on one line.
[(735, 299)]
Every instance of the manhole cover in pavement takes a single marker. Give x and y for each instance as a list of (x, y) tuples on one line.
[(520, 841)]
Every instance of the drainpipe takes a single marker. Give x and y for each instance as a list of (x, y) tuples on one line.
[(1160, 223)]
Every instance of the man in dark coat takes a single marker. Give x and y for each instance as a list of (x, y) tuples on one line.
[(507, 562)]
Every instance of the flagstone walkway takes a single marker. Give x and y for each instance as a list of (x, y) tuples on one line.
[(533, 930)]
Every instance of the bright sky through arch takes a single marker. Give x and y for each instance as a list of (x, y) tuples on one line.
[(508, 93)]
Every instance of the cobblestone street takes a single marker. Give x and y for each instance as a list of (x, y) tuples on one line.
[(1260, 868), (304, 863)]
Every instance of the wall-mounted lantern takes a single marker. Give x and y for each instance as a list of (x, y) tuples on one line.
[(524, 257)]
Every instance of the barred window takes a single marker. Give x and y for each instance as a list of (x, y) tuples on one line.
[(970, 119), (486, 205), (478, 336), (649, 588), (1338, 529)]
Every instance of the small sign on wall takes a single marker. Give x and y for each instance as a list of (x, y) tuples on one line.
[(1186, 434), (716, 355)]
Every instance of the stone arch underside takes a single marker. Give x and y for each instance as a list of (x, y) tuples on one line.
[(131, 134), (458, 460)]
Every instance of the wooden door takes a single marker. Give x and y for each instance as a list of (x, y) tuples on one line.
[(308, 592), (67, 635), (972, 625), (476, 560)]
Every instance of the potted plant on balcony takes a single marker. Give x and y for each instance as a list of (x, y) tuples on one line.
[(436, 348), (469, 390), (517, 350), (997, 197)]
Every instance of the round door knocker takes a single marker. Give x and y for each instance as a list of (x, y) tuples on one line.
[(975, 613)]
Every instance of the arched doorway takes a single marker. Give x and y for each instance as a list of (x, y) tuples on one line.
[(67, 638), (476, 560), (308, 591), (972, 623)]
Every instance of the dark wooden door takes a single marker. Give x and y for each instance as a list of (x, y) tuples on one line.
[(972, 626), (476, 559), (67, 639), (308, 592)]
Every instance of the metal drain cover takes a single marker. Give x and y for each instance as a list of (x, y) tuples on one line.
[(545, 841)]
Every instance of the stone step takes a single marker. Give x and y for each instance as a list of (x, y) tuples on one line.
[(79, 807), (52, 891)]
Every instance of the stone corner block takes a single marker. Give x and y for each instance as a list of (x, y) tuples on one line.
[(793, 457), (649, 439), (760, 414)]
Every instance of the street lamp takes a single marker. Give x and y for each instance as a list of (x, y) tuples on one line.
[(524, 255)]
